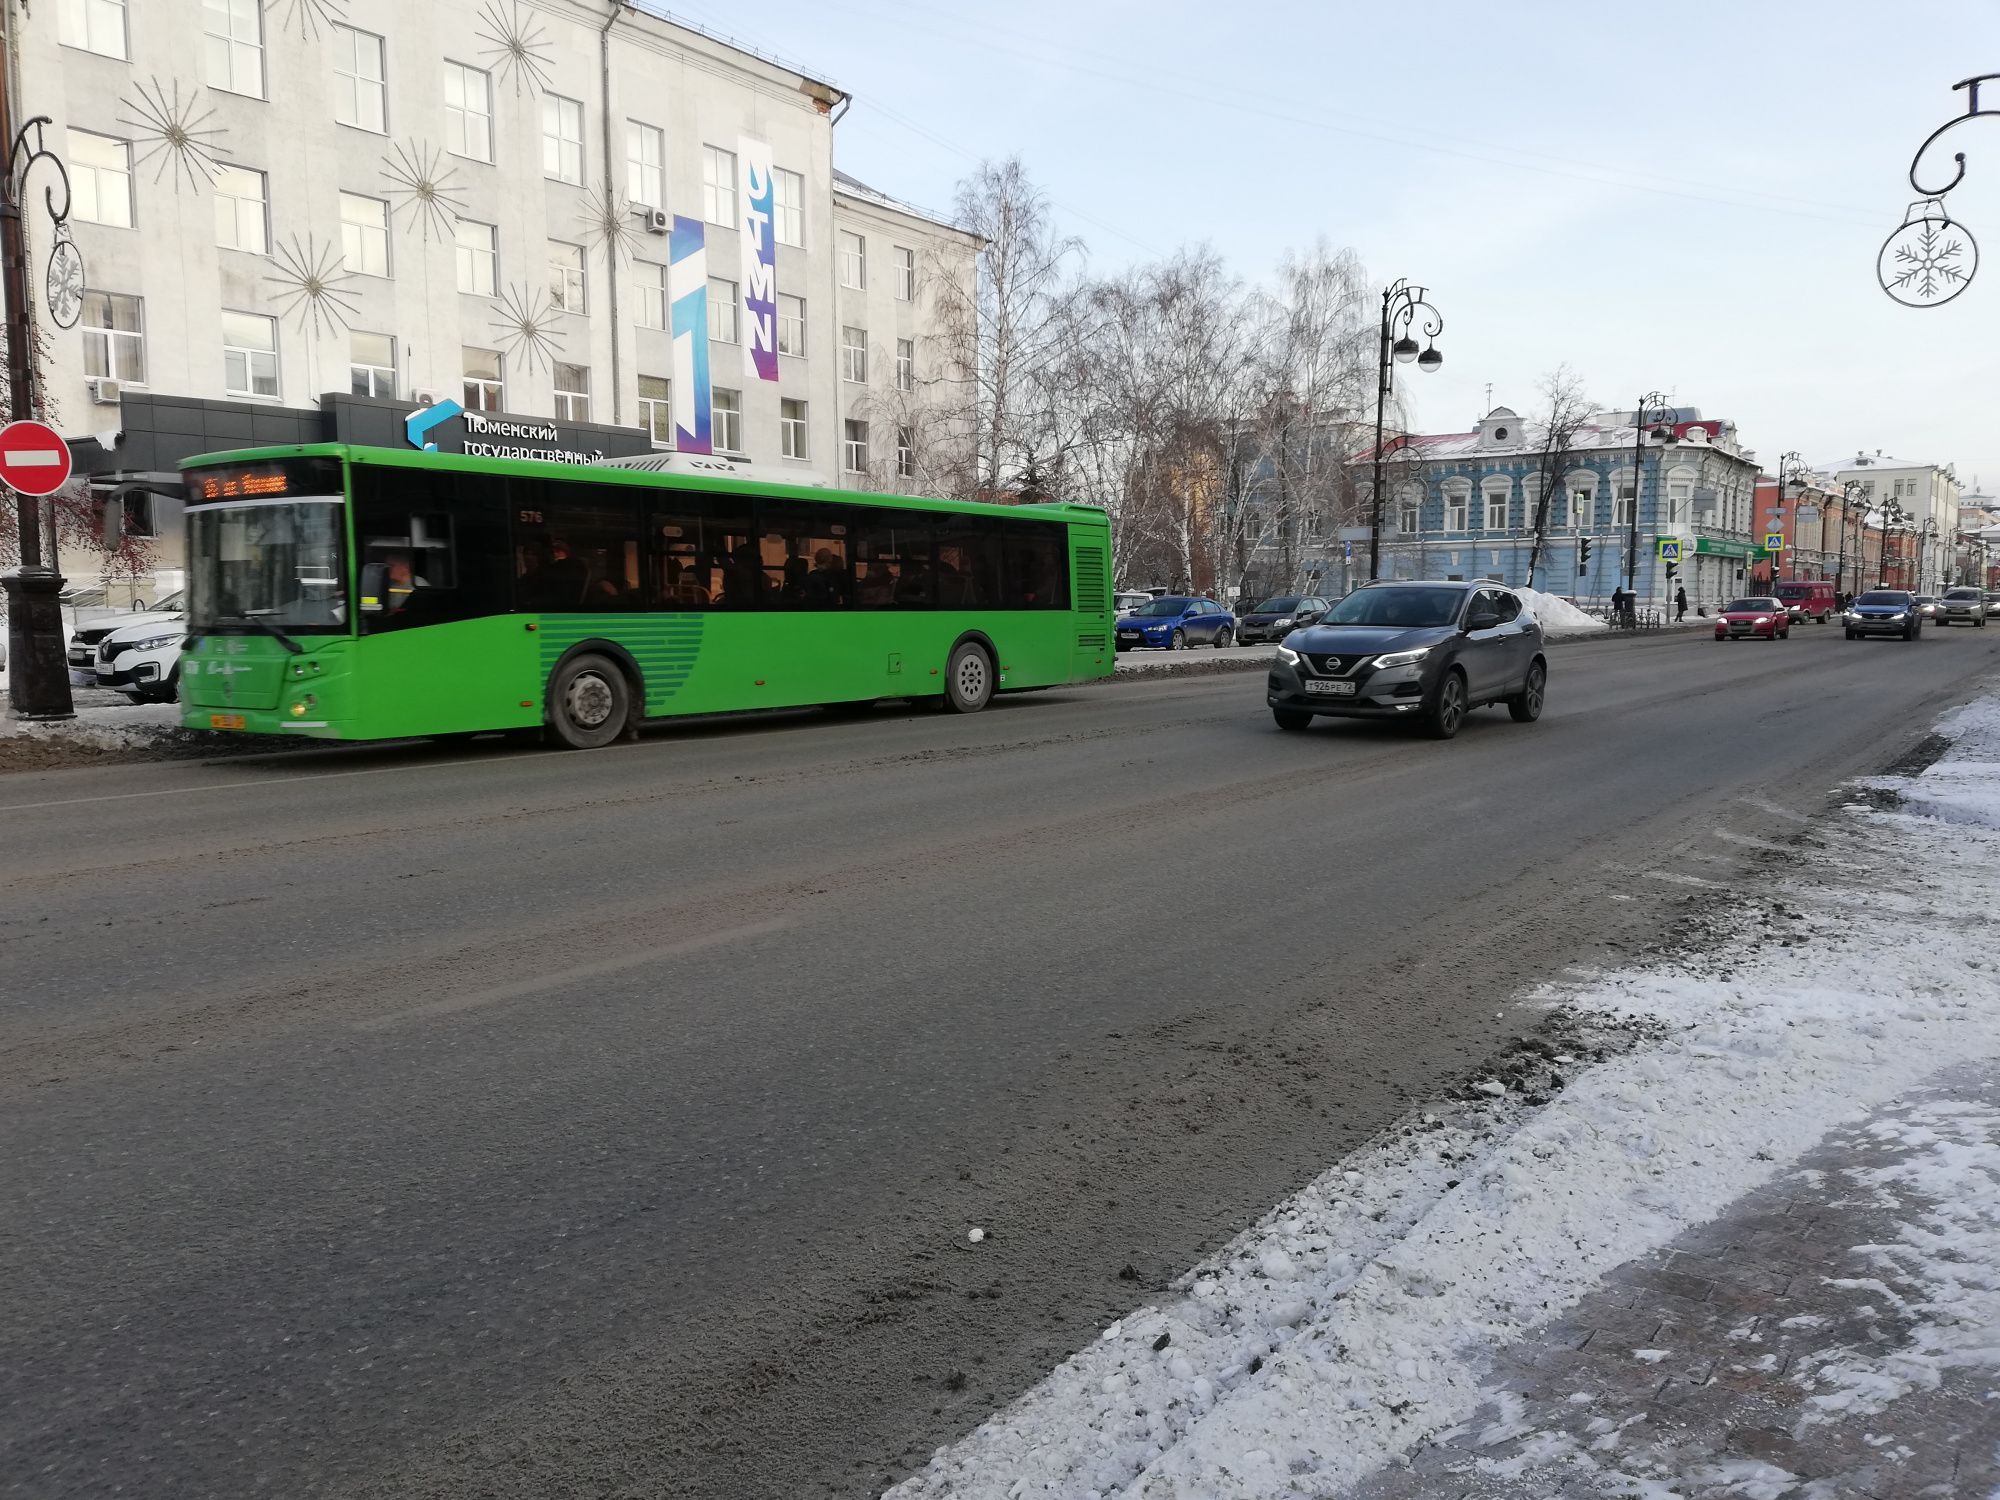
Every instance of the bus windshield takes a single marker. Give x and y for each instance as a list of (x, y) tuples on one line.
[(255, 567)]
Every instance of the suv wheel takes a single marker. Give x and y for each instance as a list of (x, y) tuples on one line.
[(1292, 718), (1448, 706), (1526, 705)]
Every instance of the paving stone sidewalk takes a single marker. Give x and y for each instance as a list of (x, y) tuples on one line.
[(1834, 1334)]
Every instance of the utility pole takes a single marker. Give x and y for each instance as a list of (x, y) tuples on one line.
[(37, 674)]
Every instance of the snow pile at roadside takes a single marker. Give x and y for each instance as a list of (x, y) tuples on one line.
[(1356, 1319), (100, 727), (1558, 616)]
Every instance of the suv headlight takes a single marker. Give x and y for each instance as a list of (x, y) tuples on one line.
[(150, 643), (1287, 655), (1403, 658)]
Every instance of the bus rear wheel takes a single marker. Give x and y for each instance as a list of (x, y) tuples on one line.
[(590, 702), (968, 679)]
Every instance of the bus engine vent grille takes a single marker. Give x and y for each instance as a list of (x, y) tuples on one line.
[(1090, 597), (1091, 642)]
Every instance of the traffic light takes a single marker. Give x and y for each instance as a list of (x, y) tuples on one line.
[(1582, 557), (1672, 569)]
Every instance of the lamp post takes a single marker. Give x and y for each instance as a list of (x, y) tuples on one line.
[(1401, 306), (1662, 419), (1926, 539), (1892, 517), (1791, 470), (1853, 507)]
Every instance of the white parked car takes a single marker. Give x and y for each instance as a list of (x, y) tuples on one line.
[(140, 656)]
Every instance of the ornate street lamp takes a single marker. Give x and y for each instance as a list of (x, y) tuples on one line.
[(1892, 519), (1854, 506), (1791, 470), (1653, 409), (1930, 258), (1403, 307), (1926, 539)]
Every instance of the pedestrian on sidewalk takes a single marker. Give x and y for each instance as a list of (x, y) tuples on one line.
[(1680, 604)]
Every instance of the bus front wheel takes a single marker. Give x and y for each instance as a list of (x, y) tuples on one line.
[(590, 702), (968, 679)]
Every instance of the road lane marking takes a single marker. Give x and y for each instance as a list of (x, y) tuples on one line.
[(599, 970)]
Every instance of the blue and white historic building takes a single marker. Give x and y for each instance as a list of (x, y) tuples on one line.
[(1463, 505)]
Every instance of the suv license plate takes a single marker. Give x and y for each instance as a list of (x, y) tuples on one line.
[(225, 721), (1336, 689)]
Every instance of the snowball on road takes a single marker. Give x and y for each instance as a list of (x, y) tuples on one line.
[(1358, 1318)]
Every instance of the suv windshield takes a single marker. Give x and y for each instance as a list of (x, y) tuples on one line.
[(259, 568), (1411, 607), (1168, 606), (1283, 605), (1883, 596)]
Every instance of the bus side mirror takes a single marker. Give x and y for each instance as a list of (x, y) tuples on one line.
[(374, 588)]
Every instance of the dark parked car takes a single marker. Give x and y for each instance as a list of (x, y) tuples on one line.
[(1176, 622), (1885, 612), (1277, 618), (1426, 652)]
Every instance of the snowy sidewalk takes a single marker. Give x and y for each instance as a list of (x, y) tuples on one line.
[(1832, 1333)]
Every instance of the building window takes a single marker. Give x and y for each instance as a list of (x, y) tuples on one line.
[(853, 260), (854, 447), (726, 420), (656, 409), (906, 453), (235, 46), (114, 337), (854, 355), (100, 179), (718, 186), (788, 207), (572, 392), (94, 25), (562, 139), (484, 387), (721, 310), (371, 364), (792, 429), (906, 364), (240, 221), (645, 171), (360, 92), (567, 290), (1582, 500), (906, 274), (364, 234), (468, 112), (249, 356), (1621, 510), (1457, 501), (478, 258), (652, 283), (791, 325), (1409, 510), (1495, 493)]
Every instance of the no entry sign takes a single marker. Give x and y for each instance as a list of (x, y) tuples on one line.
[(33, 458)]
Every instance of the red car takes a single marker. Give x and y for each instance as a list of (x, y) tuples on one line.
[(1760, 619)]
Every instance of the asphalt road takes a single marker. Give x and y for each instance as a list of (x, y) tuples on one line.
[(454, 1122)]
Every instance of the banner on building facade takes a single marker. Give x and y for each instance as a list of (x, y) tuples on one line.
[(687, 293), (760, 262)]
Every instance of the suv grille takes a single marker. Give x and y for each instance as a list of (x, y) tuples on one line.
[(1335, 666)]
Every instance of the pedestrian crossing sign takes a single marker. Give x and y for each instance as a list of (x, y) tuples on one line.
[(1670, 549), (1774, 541)]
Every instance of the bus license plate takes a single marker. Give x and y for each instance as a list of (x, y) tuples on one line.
[(1337, 689), (225, 721)]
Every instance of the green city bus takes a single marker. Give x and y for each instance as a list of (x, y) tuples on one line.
[(358, 593)]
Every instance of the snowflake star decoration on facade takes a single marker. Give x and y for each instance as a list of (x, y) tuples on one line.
[(1929, 260), (520, 50), (310, 15), (606, 224), (165, 127), (526, 328), (422, 188), (311, 281)]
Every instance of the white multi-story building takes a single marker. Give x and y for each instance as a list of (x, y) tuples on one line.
[(281, 200), (1925, 492)]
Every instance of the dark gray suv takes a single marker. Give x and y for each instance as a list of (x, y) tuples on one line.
[(1425, 652)]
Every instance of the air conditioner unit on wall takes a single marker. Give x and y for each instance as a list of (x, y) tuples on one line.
[(657, 221), (104, 391)]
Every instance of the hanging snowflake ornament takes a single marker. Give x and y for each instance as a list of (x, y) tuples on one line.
[(168, 130), (519, 49), (1929, 260), (311, 282), (309, 16), (526, 328), (605, 224), (422, 189)]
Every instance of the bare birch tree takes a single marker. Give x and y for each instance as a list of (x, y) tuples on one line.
[(1569, 412)]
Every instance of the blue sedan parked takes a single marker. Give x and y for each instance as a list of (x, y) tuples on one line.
[(1176, 622)]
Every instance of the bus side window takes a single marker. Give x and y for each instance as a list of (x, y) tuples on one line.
[(804, 553), (582, 555), (1037, 566), (434, 543), (704, 556), (891, 553), (968, 563)]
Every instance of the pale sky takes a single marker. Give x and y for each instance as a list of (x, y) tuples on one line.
[(1495, 153)]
